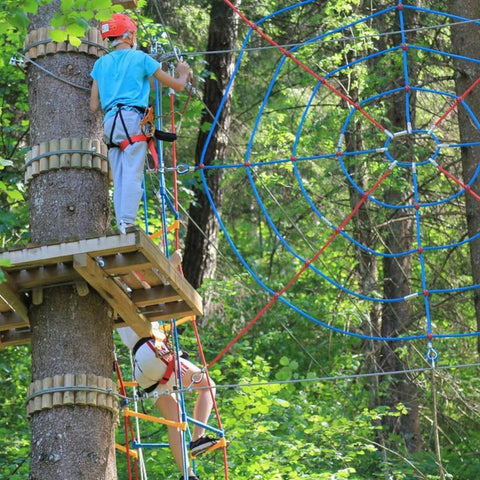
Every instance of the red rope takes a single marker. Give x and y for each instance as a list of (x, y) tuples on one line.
[(215, 407), (128, 428), (305, 67), (175, 173), (305, 266), (467, 188), (457, 101)]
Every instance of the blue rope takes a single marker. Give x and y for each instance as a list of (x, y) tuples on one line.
[(161, 168)]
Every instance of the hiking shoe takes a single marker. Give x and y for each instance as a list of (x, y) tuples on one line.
[(190, 477), (202, 444)]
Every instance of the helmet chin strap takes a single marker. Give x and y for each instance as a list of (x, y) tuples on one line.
[(128, 38)]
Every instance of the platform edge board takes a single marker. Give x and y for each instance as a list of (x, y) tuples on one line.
[(179, 283), (121, 263), (63, 251), (112, 293)]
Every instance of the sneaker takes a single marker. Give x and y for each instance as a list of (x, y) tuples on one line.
[(122, 226), (191, 477), (202, 444)]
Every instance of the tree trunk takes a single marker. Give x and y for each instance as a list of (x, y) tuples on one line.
[(466, 42), (71, 334), (396, 317), (200, 257)]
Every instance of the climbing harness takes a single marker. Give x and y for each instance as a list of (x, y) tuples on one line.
[(147, 128), (162, 352)]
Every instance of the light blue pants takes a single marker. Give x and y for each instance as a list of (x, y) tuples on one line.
[(127, 166)]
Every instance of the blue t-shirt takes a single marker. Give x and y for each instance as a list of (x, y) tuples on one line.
[(123, 78)]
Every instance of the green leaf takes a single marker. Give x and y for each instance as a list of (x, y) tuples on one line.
[(283, 403), (67, 5), (284, 361), (58, 35), (30, 6), (205, 126), (75, 41), (100, 4), (76, 30), (4, 26), (59, 20), (82, 23), (19, 19), (5, 162)]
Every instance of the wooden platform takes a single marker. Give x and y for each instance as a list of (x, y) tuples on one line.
[(128, 271)]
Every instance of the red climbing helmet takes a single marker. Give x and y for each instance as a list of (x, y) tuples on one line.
[(117, 26)]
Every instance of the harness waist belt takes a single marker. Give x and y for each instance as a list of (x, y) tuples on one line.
[(121, 105)]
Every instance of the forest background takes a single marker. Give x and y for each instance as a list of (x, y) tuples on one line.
[(295, 402)]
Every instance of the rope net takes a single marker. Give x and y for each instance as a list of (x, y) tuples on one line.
[(362, 158)]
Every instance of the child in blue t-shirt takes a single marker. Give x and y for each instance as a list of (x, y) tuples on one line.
[(121, 88)]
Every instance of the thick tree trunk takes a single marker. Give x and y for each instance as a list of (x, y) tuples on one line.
[(201, 242), (396, 317), (71, 334), (466, 42)]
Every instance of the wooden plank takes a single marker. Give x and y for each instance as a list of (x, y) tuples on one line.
[(112, 293), (167, 311), (155, 295), (158, 260), (132, 281), (9, 294), (11, 338), (41, 276), (11, 320), (63, 252), (123, 263)]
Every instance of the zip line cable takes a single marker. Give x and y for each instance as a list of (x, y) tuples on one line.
[(250, 49), (349, 39), (328, 378)]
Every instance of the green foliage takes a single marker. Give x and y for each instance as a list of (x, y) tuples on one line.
[(71, 21), (13, 143), (14, 379)]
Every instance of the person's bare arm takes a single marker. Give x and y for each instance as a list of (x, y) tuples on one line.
[(179, 82), (95, 105)]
